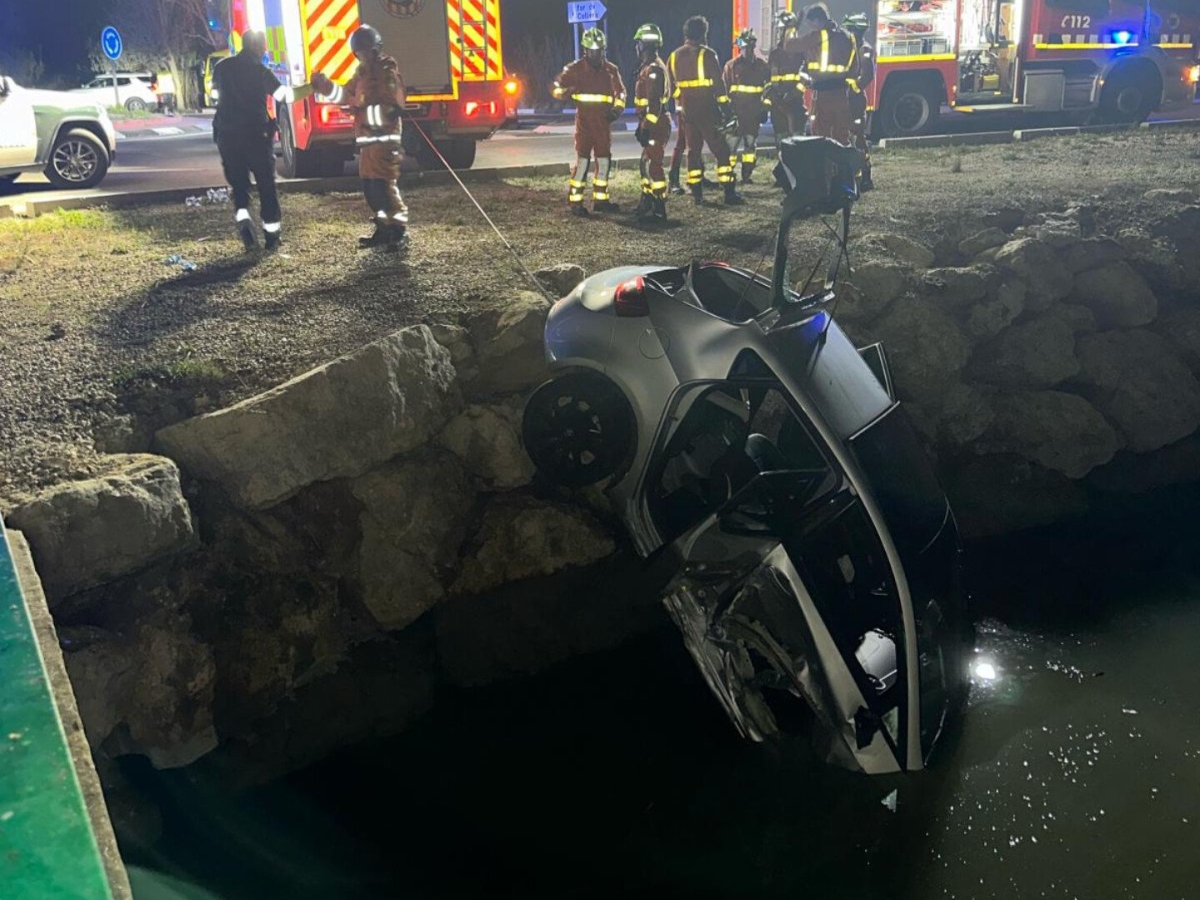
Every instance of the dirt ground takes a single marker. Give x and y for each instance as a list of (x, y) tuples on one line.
[(100, 324)]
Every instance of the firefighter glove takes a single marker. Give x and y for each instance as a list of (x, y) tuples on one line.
[(642, 134), (615, 113)]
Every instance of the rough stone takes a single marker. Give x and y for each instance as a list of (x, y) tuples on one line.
[(487, 440), (1116, 295), (989, 317), (336, 421), (1181, 226), (1140, 473), (508, 344), (1091, 253), (1172, 195), (560, 280), (1045, 277), (954, 288), (1002, 493), (523, 538), (86, 533), (1038, 353), (1155, 259), (965, 414), (903, 248), (1007, 218), (871, 289), (415, 516), (982, 240), (1181, 329), (1078, 318), (925, 347), (1060, 431), (1141, 385), (149, 693), (457, 340)]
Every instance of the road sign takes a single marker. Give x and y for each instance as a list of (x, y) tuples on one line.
[(584, 12), (110, 43)]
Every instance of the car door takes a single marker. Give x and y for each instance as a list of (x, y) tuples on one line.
[(784, 593), (18, 127)]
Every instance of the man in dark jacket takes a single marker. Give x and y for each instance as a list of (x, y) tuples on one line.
[(244, 132)]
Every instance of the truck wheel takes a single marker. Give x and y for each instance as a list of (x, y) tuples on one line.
[(1128, 98), (459, 152), (297, 163), (908, 109), (78, 160), (578, 429)]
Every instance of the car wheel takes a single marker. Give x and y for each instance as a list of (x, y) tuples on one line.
[(908, 109), (1128, 98), (578, 429), (78, 160), (135, 104)]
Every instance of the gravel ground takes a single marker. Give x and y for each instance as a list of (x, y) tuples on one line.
[(101, 337)]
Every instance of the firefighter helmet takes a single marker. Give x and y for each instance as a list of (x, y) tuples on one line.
[(856, 23), (364, 39), (593, 39), (747, 37), (648, 34), (785, 18)]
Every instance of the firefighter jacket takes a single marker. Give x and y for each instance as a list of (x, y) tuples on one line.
[(828, 57), (866, 73), (375, 94), (785, 74), (594, 89), (652, 92), (699, 84), (747, 77)]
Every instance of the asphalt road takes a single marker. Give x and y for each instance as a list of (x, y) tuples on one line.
[(190, 160)]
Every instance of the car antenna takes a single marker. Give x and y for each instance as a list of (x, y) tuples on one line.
[(432, 146)]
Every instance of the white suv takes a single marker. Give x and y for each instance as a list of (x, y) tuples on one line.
[(135, 90), (67, 136)]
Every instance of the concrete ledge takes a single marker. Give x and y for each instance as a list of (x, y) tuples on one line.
[(1028, 134), (1172, 123), (947, 140)]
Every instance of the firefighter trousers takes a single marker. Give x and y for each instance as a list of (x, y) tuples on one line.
[(788, 116), (593, 137), (246, 155), (700, 127), (860, 124), (746, 143), (379, 168), (654, 177), (831, 114)]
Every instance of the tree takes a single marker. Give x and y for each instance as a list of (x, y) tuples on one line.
[(174, 35)]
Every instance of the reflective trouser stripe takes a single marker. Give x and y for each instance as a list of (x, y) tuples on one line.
[(695, 176), (270, 227), (749, 158), (725, 174), (242, 215)]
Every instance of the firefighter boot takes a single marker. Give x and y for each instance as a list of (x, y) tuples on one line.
[(246, 231), (397, 238), (660, 209), (271, 240), (675, 187), (377, 238), (605, 206), (732, 197), (865, 183), (645, 208), (697, 192)]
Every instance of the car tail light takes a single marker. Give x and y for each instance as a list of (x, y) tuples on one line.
[(630, 298), (1193, 74), (474, 108), (511, 86), (334, 115)]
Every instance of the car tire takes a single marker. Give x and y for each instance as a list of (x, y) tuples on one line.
[(135, 104), (1129, 96), (578, 429), (77, 160), (907, 109)]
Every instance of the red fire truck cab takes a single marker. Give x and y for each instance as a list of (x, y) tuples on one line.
[(1095, 60)]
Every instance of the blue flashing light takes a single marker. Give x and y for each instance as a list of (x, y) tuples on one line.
[(1122, 37)]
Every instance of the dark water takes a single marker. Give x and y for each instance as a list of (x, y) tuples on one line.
[(1075, 773)]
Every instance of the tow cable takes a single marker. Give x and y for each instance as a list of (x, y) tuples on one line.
[(511, 249)]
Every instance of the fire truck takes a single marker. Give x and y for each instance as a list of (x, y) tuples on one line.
[(450, 57), (1112, 61)]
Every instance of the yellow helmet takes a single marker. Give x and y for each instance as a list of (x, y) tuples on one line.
[(593, 39)]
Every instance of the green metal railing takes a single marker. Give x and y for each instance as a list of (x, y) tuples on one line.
[(48, 850)]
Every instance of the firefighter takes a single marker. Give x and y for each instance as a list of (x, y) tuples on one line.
[(705, 108), (860, 110), (829, 64), (747, 77), (785, 95), (375, 95), (243, 133), (652, 94), (595, 85), (678, 153)]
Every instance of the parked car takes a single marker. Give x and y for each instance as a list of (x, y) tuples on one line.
[(737, 428), (134, 90), (69, 137)]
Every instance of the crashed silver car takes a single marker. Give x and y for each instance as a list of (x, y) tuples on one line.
[(736, 427)]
